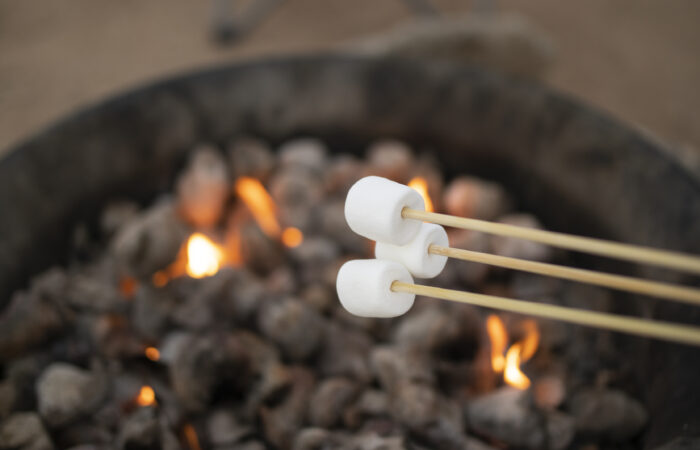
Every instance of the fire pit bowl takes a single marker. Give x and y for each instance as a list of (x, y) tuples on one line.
[(577, 169)]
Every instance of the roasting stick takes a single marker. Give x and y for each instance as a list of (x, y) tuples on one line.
[(651, 288), (664, 258), (640, 327)]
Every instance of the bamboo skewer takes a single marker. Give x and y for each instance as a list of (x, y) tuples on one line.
[(664, 258), (640, 327), (619, 282)]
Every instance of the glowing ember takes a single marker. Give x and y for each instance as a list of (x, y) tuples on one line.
[(292, 237), (512, 373), (260, 204), (128, 286), (160, 278), (152, 353), (499, 339), (203, 256), (146, 396), (190, 435), (421, 185)]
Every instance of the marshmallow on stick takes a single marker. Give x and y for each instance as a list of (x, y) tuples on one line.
[(415, 255)]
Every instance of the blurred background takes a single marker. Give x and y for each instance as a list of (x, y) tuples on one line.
[(637, 59)]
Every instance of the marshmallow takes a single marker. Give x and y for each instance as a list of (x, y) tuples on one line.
[(373, 210), (414, 255), (364, 288)]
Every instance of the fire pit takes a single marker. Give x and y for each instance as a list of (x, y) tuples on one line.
[(204, 318)]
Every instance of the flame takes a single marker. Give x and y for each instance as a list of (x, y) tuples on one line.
[(499, 339), (146, 396), (260, 204), (517, 354), (512, 374), (292, 237), (520, 353), (191, 438), (128, 286), (152, 353), (421, 185), (204, 257), (160, 278)]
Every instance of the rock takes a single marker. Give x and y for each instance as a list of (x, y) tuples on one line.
[(561, 430), (149, 242), (371, 404), (373, 441), (151, 311), (66, 392), (296, 191), (203, 187), (607, 414), (344, 353), (250, 157), (390, 159), (334, 226), (24, 431), (475, 198), (88, 292), (520, 248), (8, 394), (260, 253), (313, 256), (305, 153), (329, 401), (295, 327), (414, 404), (681, 443), (116, 215), (506, 415), (470, 273), (428, 329)]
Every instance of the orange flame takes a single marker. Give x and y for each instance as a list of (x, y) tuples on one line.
[(204, 257), (264, 210), (191, 438), (146, 396), (260, 204), (519, 354), (128, 286), (152, 353), (499, 339), (421, 185)]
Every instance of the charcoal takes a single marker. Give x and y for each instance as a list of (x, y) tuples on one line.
[(561, 429), (342, 172), (507, 415), (295, 327), (295, 190), (680, 443), (92, 294), (427, 329), (521, 248), (262, 254), (333, 225), (475, 198), (329, 401), (470, 273), (8, 394), (202, 189), (250, 157), (390, 159), (281, 422), (151, 312), (24, 431), (549, 391), (344, 353), (373, 441), (313, 256), (372, 403), (307, 153), (66, 392), (35, 315), (319, 297), (149, 242), (116, 215), (314, 439), (141, 430), (607, 414), (224, 429), (391, 365)]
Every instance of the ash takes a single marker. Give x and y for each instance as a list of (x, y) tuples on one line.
[(261, 355)]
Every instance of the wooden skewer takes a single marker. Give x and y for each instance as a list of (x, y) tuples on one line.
[(620, 282), (664, 258), (641, 327)]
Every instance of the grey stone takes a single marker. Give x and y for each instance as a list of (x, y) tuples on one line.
[(607, 414), (24, 431)]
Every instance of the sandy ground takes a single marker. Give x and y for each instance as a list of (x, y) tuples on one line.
[(635, 58)]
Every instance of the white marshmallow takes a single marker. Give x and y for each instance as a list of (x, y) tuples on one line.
[(364, 288), (373, 210), (414, 255)]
